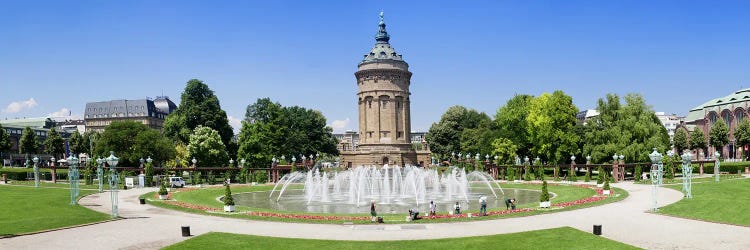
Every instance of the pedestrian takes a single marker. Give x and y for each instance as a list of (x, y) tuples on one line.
[(483, 203), (372, 211), (433, 209), (457, 208), (510, 203)]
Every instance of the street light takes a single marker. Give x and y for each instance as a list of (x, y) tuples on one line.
[(194, 161), (36, 171), (99, 165), (73, 177), (656, 175), (112, 161), (588, 159), (716, 165), (573, 159), (231, 162), (687, 174), (142, 161)]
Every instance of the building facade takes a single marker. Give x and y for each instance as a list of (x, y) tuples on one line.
[(383, 80), (732, 109), (670, 122), (151, 113)]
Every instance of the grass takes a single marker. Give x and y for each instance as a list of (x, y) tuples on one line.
[(556, 238), (208, 197), (724, 202), (28, 209), (81, 184)]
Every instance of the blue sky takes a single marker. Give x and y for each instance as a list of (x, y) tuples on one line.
[(62, 54)]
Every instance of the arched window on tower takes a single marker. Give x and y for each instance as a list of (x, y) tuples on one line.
[(727, 117), (739, 114)]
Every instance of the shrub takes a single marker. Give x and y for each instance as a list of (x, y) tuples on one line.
[(606, 184), (600, 180), (587, 176), (260, 176), (545, 194), (572, 175), (211, 178), (228, 199), (637, 174), (527, 175), (163, 188)]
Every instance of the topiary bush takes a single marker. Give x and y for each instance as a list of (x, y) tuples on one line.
[(228, 199), (163, 188), (637, 174), (606, 184), (587, 176), (545, 194), (572, 175), (600, 180), (557, 176)]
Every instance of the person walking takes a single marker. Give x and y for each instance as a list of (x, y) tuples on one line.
[(483, 208), (372, 211), (433, 209)]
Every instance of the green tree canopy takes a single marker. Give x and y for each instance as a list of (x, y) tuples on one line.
[(5, 143), (76, 143), (132, 141), (206, 146), (742, 134), (505, 150), (198, 107), (550, 124), (444, 137), (28, 142), (631, 130), (680, 140), (718, 136), (54, 144), (697, 140), (271, 130), (511, 122)]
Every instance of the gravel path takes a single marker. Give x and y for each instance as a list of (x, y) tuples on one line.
[(148, 227)]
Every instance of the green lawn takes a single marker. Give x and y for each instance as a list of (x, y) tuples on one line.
[(556, 238), (208, 197), (28, 209), (725, 202)]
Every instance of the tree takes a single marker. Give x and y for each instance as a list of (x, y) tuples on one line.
[(198, 107), (544, 197), (631, 130), (28, 142), (206, 146), (697, 141), (718, 136), (76, 143), (551, 122), (444, 137), (510, 121), (54, 144), (505, 150), (271, 130), (742, 135), (5, 143), (680, 140), (132, 141)]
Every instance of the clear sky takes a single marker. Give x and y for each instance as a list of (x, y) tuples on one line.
[(57, 55)]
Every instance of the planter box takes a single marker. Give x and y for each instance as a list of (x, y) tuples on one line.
[(229, 208), (600, 185), (544, 204), (163, 197), (469, 215), (606, 192)]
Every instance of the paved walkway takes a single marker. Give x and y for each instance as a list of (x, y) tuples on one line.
[(148, 227)]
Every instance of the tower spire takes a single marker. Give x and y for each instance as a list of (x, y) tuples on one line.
[(382, 35)]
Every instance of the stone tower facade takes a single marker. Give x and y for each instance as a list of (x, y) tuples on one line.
[(383, 80)]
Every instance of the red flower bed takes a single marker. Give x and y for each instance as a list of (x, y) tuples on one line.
[(191, 206), (307, 217), (581, 201)]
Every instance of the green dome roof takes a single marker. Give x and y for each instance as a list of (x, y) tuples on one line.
[(382, 49)]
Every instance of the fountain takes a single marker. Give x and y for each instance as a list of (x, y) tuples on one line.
[(393, 188)]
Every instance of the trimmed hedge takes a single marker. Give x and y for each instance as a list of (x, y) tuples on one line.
[(21, 174)]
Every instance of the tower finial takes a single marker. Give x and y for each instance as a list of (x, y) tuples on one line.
[(382, 35)]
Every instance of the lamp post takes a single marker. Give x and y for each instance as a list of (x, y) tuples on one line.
[(526, 166), (36, 171), (112, 161), (194, 161), (468, 158), (453, 157), (53, 174), (73, 177), (687, 174), (656, 172), (231, 162), (716, 165), (142, 161), (99, 165)]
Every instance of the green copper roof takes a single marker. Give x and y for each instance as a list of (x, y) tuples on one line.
[(382, 49), (698, 112)]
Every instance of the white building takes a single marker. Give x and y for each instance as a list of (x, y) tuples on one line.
[(669, 122)]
